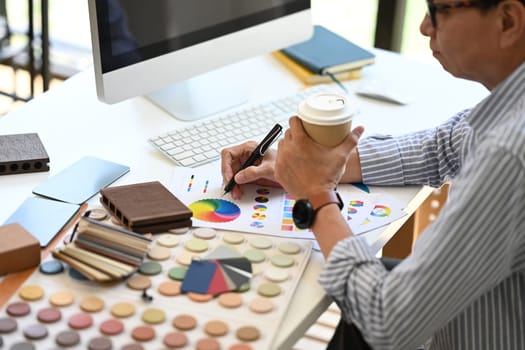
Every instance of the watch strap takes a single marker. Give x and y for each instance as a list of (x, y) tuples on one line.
[(322, 199)]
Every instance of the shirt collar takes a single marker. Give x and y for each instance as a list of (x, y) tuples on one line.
[(494, 109)]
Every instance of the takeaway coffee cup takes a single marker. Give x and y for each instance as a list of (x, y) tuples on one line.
[(326, 117)]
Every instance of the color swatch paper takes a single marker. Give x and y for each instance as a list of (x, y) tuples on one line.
[(216, 276), (268, 210)]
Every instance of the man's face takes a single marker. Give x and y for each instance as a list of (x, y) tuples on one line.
[(463, 40)]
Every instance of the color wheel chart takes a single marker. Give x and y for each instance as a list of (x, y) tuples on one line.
[(215, 210)]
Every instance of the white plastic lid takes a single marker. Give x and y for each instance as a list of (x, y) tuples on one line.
[(325, 109)]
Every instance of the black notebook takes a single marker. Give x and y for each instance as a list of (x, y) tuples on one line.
[(328, 53)]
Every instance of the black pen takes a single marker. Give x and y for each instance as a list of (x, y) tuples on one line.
[(257, 153)]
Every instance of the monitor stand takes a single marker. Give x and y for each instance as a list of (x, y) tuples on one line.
[(202, 95)]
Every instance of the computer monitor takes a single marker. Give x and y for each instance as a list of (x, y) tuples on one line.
[(162, 48)]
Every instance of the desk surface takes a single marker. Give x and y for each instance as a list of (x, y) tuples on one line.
[(72, 123)]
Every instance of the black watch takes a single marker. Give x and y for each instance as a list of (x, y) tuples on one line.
[(304, 210)]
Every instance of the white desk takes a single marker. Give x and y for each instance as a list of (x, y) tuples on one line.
[(72, 123)]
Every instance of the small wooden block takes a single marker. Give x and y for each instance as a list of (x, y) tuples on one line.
[(19, 250)]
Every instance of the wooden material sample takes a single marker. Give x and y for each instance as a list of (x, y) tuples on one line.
[(146, 207), (19, 250), (22, 153)]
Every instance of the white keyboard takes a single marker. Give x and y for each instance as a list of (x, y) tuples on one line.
[(202, 142)]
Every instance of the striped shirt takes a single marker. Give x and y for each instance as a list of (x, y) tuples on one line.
[(463, 286)]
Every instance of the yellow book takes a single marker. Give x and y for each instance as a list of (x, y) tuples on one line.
[(309, 77)]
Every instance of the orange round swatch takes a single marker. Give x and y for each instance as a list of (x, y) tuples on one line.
[(122, 310), (64, 298), (200, 298), (184, 322), (169, 288), (208, 344), (143, 333), (216, 328), (31, 292), (92, 304), (230, 300), (248, 333)]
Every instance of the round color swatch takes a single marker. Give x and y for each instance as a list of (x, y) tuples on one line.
[(261, 305), (184, 322), (123, 310), (215, 210), (175, 340), (98, 214), (80, 321), (356, 203), (248, 333), (100, 343), (233, 238), (35, 332), (31, 292), (207, 344), (18, 309), (169, 288), (179, 230), (281, 260), (230, 300), (132, 347), (177, 273), (49, 315), (67, 339), (240, 346), (196, 245), (111, 327), (255, 255), (276, 274), (200, 298), (74, 274), (244, 287), (168, 240), (150, 268), (260, 242), (216, 328), (64, 298), (51, 267), (92, 304), (205, 233), (184, 258), (269, 289), (22, 346), (7, 325), (289, 248), (159, 253), (143, 333), (153, 316), (139, 282)]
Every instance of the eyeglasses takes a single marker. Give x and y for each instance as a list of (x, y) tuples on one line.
[(432, 8)]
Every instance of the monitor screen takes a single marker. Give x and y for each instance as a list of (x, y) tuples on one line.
[(140, 47)]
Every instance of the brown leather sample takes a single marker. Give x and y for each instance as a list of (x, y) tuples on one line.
[(22, 153), (146, 207), (19, 250)]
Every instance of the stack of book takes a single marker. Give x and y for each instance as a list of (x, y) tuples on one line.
[(103, 253), (325, 57)]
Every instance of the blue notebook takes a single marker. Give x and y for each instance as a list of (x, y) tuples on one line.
[(328, 53)]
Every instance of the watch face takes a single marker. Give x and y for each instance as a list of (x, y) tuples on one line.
[(303, 214)]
